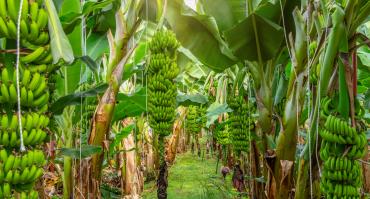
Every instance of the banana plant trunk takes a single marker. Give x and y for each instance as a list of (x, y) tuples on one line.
[(66, 124), (173, 144), (101, 126), (303, 189), (287, 141), (100, 130), (162, 181), (255, 186), (262, 74), (366, 172), (67, 170), (133, 180)]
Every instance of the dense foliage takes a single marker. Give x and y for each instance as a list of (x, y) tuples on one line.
[(102, 96)]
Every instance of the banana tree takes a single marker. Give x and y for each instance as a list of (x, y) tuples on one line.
[(121, 48), (74, 79), (341, 47)]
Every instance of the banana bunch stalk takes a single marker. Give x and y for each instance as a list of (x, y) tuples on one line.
[(240, 124), (19, 170)]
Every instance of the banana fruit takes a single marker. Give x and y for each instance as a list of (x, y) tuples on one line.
[(240, 124), (162, 91), (342, 174), (20, 169)]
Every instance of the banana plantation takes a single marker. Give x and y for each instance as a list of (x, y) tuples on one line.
[(185, 99)]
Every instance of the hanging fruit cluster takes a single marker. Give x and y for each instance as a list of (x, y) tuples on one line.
[(328, 104), (341, 146), (222, 133), (19, 170), (162, 90), (241, 124), (315, 69), (194, 123)]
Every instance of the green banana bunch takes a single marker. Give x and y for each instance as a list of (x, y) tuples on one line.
[(222, 133), (193, 125), (20, 169), (29, 195), (39, 56), (34, 20), (29, 120), (327, 105), (33, 91), (162, 90), (240, 124), (342, 174), (5, 191)]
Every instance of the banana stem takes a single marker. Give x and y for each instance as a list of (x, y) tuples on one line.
[(309, 149), (67, 161), (261, 80), (343, 106), (67, 177)]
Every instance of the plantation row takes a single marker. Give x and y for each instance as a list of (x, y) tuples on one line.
[(98, 97)]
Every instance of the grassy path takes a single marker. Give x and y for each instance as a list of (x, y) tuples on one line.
[(192, 177)]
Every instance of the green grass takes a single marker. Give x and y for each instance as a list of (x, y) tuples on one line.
[(192, 177)]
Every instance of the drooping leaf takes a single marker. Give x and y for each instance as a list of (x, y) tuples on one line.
[(146, 33), (186, 100), (97, 45), (120, 136), (91, 6), (90, 63), (201, 41), (140, 52), (72, 74), (84, 152), (214, 110), (106, 21), (130, 105), (184, 57), (136, 63), (243, 40), (232, 11), (196, 71), (210, 24), (70, 21), (75, 98), (281, 89), (61, 49), (270, 11)]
